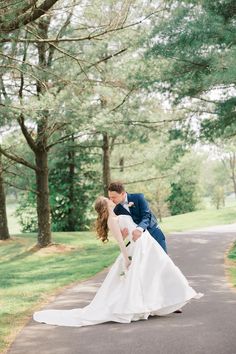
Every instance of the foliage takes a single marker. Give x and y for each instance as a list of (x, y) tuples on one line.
[(232, 270), (181, 199), (218, 172), (161, 204), (17, 14), (155, 165), (74, 183), (82, 90), (232, 253), (110, 86), (196, 48), (26, 212), (185, 194), (218, 197), (224, 125)]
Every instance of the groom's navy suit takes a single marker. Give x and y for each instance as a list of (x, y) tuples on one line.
[(142, 216)]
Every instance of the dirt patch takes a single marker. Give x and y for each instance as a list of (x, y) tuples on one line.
[(13, 239), (9, 240), (52, 249)]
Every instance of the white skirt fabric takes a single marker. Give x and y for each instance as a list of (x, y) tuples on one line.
[(153, 285)]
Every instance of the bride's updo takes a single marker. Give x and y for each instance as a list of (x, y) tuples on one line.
[(101, 208)]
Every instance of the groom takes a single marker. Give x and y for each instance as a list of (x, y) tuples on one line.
[(137, 207)]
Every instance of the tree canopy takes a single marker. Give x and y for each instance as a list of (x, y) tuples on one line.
[(195, 43)]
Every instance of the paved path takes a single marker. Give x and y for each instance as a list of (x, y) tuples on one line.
[(206, 326)]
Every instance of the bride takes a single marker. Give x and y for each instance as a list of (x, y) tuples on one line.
[(142, 282)]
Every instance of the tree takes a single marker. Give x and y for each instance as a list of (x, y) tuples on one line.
[(162, 194), (37, 101), (184, 196), (218, 197), (225, 165), (18, 14), (73, 182), (181, 199), (230, 165), (195, 46), (4, 233)]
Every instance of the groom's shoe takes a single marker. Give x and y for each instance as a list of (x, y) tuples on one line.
[(178, 311)]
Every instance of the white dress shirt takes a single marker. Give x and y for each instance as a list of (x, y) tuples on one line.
[(125, 203)]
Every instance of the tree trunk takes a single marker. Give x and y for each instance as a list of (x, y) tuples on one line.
[(43, 207), (71, 211), (41, 153), (106, 164), (121, 163), (159, 211), (234, 184), (232, 163), (4, 233)]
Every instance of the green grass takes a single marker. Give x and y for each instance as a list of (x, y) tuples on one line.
[(199, 219), (28, 277), (232, 269), (13, 224)]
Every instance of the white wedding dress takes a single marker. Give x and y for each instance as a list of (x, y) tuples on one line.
[(152, 285)]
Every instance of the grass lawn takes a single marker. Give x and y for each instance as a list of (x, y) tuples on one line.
[(29, 276), (199, 219), (13, 224), (232, 264)]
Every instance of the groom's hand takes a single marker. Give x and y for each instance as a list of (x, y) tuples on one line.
[(136, 234), (125, 232)]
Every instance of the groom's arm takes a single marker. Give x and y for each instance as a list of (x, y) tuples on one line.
[(145, 213)]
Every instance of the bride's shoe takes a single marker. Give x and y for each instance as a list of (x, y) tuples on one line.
[(178, 311)]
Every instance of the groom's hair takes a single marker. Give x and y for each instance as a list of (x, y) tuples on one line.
[(116, 186)]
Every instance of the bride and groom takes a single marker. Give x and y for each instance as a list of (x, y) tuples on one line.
[(143, 281)]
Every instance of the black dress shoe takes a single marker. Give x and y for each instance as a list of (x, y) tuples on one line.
[(178, 311)]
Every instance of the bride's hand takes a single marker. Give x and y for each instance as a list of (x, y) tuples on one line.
[(124, 232)]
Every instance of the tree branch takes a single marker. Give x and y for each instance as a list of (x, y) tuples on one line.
[(21, 188), (68, 136), (32, 66), (18, 159), (27, 17), (127, 166), (74, 39), (26, 134), (122, 102), (149, 179), (23, 72)]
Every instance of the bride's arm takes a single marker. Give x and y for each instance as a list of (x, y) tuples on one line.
[(115, 230)]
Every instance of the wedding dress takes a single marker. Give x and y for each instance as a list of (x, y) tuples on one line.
[(152, 285)]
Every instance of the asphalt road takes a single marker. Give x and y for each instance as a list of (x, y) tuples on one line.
[(206, 326)]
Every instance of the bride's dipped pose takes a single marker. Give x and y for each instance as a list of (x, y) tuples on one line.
[(142, 282)]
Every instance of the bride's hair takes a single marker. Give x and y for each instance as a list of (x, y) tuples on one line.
[(101, 222)]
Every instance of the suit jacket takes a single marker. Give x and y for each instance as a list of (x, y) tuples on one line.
[(139, 211)]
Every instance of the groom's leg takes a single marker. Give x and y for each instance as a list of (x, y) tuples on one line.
[(162, 243), (159, 237)]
